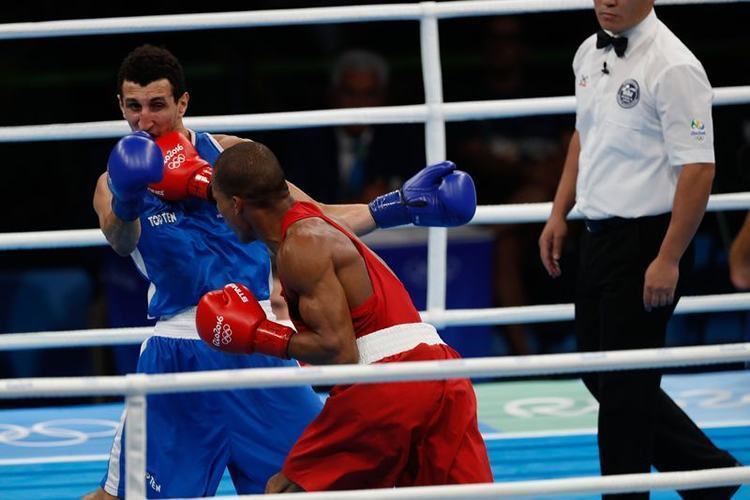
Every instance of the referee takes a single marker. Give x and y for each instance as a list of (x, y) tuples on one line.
[(639, 168)]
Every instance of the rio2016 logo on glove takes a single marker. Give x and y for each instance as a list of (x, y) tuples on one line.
[(222, 332), (172, 159)]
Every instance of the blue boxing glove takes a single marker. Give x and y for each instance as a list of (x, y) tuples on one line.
[(438, 195), (134, 162)]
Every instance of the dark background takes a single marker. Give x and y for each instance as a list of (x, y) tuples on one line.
[(49, 185), (267, 69)]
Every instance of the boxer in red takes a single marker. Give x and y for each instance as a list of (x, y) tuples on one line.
[(348, 307)]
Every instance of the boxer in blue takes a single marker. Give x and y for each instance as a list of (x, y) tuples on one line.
[(154, 205)]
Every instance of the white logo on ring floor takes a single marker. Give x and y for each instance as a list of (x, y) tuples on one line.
[(714, 400), (59, 434), (56, 433)]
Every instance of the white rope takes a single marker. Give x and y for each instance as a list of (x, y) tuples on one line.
[(416, 113), (509, 366), (539, 212), (623, 483), (450, 317), (565, 312), (95, 337), (70, 238), (289, 17), (486, 214)]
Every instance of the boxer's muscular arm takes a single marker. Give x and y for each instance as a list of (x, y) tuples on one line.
[(438, 195), (122, 235), (323, 306), (355, 217)]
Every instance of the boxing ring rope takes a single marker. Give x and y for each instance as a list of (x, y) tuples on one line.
[(434, 113), (413, 113), (594, 484), (498, 366), (450, 317), (486, 214)]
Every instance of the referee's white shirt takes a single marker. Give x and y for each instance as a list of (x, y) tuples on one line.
[(640, 123)]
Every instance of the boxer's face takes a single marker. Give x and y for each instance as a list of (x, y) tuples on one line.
[(620, 15), (152, 108), (231, 207)]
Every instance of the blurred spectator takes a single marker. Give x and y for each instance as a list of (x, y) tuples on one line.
[(513, 160), (354, 163)]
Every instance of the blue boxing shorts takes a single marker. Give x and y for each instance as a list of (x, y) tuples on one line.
[(192, 437)]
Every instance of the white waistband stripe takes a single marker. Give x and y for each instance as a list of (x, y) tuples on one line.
[(395, 340)]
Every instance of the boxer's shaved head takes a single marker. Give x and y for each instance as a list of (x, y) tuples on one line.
[(250, 170)]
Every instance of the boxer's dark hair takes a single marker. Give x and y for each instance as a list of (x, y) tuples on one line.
[(148, 63), (252, 172)]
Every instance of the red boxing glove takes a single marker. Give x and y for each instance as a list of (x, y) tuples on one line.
[(232, 320), (185, 173)]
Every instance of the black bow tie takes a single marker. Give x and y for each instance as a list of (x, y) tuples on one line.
[(620, 43)]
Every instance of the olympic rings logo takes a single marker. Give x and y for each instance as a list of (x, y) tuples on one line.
[(174, 157), (65, 432), (226, 334), (222, 332), (176, 161)]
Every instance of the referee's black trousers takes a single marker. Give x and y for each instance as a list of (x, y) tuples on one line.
[(639, 424)]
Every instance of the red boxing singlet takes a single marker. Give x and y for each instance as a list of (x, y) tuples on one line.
[(390, 303)]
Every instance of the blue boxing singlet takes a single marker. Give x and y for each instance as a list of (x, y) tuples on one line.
[(186, 249)]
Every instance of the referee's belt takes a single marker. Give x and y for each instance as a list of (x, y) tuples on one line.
[(595, 226)]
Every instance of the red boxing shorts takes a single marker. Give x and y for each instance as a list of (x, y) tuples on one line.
[(393, 434)]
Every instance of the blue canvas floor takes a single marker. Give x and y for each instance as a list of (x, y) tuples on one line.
[(533, 430)]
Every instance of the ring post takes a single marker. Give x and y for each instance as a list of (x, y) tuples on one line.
[(135, 438), (437, 245)]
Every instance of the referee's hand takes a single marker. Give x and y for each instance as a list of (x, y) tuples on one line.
[(551, 244), (660, 282)]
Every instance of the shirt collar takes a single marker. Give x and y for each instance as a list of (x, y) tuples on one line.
[(641, 32)]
